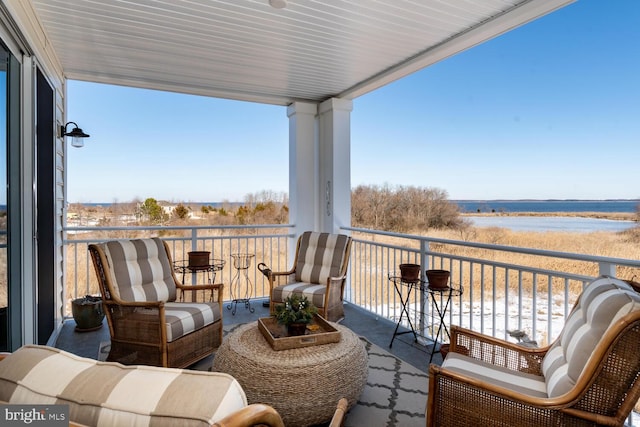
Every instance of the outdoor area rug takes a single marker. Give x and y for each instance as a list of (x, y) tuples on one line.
[(395, 393)]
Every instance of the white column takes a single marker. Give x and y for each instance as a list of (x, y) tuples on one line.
[(335, 164), (303, 167)]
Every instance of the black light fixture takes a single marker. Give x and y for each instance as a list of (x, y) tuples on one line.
[(76, 134)]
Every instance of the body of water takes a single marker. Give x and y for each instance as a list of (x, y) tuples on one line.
[(551, 223), (470, 206)]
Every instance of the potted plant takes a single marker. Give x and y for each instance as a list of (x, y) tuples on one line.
[(296, 313), (87, 312)]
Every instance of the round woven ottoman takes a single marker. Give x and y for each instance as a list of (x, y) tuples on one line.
[(302, 384)]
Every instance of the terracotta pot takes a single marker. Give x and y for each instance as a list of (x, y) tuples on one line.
[(438, 279), (199, 259), (295, 329), (410, 272)]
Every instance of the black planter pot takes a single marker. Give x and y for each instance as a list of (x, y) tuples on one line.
[(295, 329), (87, 312)]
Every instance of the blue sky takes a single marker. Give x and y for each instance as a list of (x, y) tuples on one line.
[(549, 110)]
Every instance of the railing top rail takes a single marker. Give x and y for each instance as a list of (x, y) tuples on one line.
[(175, 227), (528, 251)]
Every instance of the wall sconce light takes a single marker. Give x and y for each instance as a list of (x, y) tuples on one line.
[(76, 134)]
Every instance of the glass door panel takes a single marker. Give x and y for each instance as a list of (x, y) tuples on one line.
[(4, 266)]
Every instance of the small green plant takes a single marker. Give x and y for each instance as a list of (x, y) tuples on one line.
[(296, 309)]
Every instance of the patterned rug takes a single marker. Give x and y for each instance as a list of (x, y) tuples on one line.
[(395, 394)]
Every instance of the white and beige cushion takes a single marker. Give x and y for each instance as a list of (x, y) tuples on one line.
[(532, 385), (182, 318), (320, 257), (110, 394), (601, 304), (143, 272)]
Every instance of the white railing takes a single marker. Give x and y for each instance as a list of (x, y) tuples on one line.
[(269, 244), (498, 296)]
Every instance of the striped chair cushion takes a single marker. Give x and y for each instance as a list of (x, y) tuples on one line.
[(315, 293), (602, 302), (141, 270), (320, 256), (110, 394), (185, 317), (529, 384)]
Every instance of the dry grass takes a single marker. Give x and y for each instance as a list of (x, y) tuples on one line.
[(80, 277), (370, 265), (607, 244)]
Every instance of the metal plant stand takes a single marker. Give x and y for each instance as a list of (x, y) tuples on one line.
[(241, 282)]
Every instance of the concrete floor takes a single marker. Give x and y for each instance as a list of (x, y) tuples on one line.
[(377, 330)]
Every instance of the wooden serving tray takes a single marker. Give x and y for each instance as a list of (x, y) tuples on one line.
[(276, 334)]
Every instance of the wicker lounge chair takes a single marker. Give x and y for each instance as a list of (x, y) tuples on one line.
[(149, 321), (319, 273), (588, 376)]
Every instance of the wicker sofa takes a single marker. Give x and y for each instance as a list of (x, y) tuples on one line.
[(588, 376), (111, 394)]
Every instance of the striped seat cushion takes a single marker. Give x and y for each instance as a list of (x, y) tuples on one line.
[(182, 318), (110, 394), (185, 317), (315, 293), (529, 384), (141, 270), (602, 302), (320, 256)]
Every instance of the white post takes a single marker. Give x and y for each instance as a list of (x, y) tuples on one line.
[(335, 164), (303, 169)]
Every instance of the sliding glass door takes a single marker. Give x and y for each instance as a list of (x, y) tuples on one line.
[(10, 299), (4, 276)]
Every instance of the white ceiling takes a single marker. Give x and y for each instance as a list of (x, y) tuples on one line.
[(311, 50)]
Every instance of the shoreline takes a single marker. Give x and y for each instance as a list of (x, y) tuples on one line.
[(614, 216)]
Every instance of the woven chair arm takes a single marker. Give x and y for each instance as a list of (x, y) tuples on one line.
[(134, 304), (282, 273), (203, 287), (455, 399), (496, 351), (217, 287), (336, 280), (274, 277), (251, 415), (207, 287)]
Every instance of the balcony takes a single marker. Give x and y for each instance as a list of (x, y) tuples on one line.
[(497, 296)]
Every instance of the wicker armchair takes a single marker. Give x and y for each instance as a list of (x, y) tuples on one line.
[(149, 321), (588, 376), (319, 272)]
